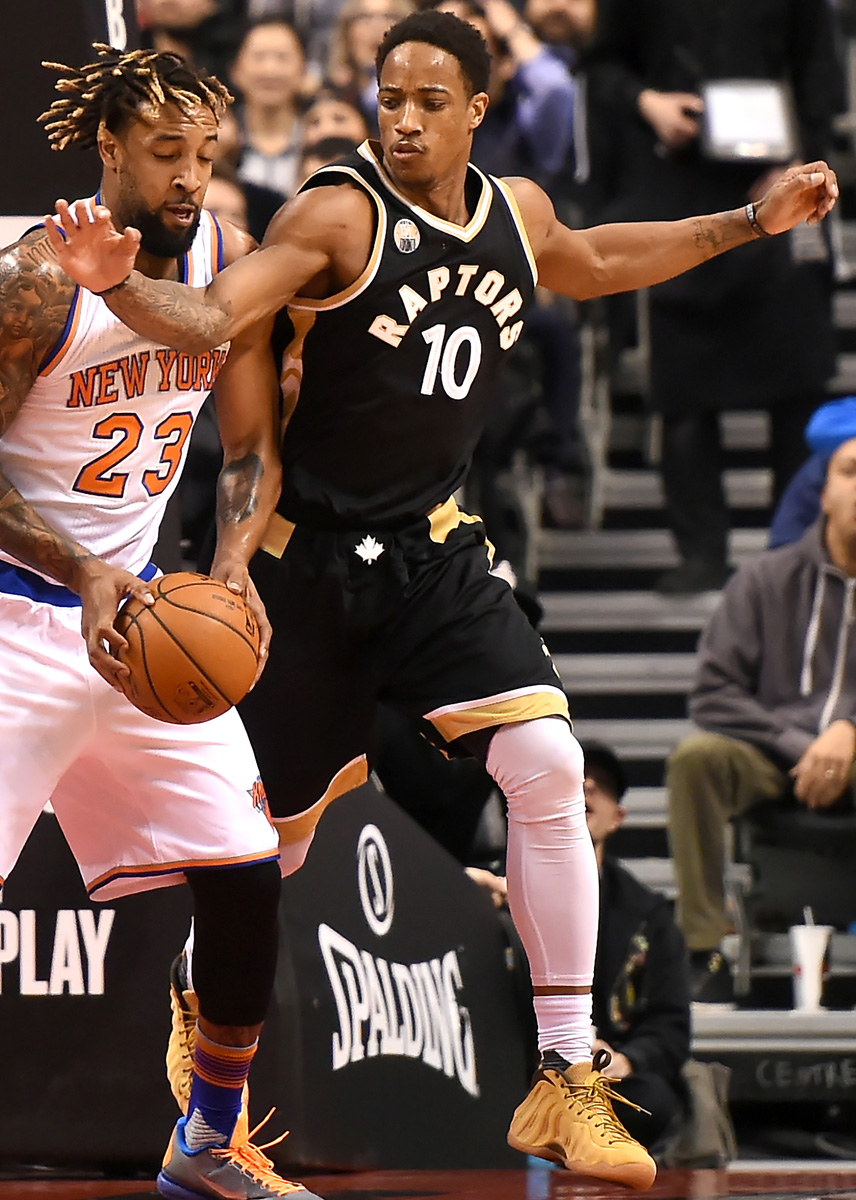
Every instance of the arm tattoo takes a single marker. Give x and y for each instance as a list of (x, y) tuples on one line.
[(35, 297), (169, 313), (716, 234), (238, 489), (28, 538), (34, 301)]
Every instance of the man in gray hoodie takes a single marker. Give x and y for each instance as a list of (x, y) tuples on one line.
[(775, 703)]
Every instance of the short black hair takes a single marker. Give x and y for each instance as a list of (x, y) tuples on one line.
[(448, 32), (602, 765)]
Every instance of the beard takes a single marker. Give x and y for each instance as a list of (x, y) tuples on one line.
[(157, 240)]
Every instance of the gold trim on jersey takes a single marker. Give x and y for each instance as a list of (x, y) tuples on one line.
[(446, 517), (294, 829), (277, 535), (524, 704), (517, 217), (464, 233), (369, 271)]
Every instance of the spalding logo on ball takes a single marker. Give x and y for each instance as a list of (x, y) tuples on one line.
[(193, 653)]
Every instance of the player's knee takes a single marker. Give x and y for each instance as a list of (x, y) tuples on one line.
[(236, 937), (539, 767)]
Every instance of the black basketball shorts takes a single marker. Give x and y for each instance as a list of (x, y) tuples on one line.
[(412, 618)]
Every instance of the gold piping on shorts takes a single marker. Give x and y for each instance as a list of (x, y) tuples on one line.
[(294, 829), (452, 725), (446, 517), (277, 535)]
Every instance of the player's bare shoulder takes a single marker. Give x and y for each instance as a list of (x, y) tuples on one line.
[(536, 210), (35, 298), (338, 218), (236, 242)]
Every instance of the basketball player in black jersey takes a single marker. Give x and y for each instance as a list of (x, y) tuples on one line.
[(407, 274)]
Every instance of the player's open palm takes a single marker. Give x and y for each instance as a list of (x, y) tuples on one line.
[(802, 193), (88, 246), (102, 589)]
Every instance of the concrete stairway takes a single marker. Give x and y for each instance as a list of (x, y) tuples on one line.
[(626, 654)]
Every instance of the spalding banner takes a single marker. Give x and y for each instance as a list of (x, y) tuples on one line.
[(406, 1048)]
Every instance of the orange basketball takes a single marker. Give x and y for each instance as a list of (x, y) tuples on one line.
[(193, 653)]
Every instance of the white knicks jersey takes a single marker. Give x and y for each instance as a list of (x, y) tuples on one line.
[(100, 442)]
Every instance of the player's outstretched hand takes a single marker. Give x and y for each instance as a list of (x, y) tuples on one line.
[(802, 193), (237, 579), (88, 246), (102, 589)]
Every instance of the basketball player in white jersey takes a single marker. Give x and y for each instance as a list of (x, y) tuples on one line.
[(409, 274), (94, 425)]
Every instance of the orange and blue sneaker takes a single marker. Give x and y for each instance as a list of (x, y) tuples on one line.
[(239, 1171), (568, 1118)]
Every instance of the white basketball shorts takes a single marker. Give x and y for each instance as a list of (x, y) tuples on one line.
[(139, 800)]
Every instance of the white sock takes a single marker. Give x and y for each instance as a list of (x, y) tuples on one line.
[(564, 1025)]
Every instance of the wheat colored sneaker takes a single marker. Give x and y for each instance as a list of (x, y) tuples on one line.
[(184, 1009), (240, 1171), (568, 1118)]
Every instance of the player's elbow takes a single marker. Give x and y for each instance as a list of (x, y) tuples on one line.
[(597, 279)]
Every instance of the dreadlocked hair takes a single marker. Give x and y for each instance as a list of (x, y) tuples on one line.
[(117, 85)]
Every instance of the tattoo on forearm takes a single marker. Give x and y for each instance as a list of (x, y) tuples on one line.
[(168, 312), (713, 235), (28, 538), (238, 489)]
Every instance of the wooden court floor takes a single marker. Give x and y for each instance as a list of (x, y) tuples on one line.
[(767, 1182)]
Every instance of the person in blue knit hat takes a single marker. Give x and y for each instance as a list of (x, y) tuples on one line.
[(832, 425)]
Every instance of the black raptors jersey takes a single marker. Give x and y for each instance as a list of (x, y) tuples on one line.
[(386, 385)]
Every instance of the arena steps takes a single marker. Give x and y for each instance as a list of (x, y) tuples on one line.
[(617, 674), (630, 549), (633, 610)]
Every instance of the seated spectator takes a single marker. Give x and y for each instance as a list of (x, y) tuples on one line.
[(832, 424), (641, 988), (225, 197), (262, 202), (353, 47), (330, 116), (314, 22), (567, 26), (528, 127), (775, 703), (268, 72), (204, 32), (321, 154)]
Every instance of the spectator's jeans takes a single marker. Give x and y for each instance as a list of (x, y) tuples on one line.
[(710, 780)]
